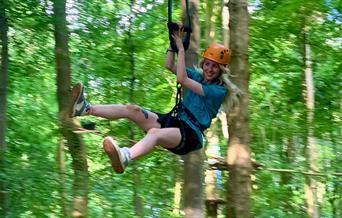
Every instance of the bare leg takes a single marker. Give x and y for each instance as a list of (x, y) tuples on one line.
[(80, 107), (119, 157), (167, 137), (144, 119)]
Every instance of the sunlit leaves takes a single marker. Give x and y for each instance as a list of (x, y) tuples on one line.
[(278, 112), (101, 59)]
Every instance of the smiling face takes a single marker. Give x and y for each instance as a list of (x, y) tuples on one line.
[(211, 70)]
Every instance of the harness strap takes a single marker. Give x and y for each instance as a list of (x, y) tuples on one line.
[(175, 110), (191, 117), (175, 113), (174, 27)]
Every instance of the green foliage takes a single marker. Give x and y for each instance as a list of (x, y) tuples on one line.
[(100, 56), (277, 106)]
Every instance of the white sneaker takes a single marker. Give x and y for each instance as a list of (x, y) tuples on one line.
[(80, 106), (118, 156)]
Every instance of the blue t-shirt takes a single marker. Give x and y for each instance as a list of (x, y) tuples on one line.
[(203, 108)]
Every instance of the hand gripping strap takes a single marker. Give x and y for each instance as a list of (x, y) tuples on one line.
[(174, 27)]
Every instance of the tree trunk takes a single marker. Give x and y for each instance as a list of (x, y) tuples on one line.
[(288, 157), (177, 195), (335, 199), (137, 201), (212, 150), (225, 23), (312, 186), (238, 155), (193, 162), (193, 188), (3, 99), (212, 198), (76, 146), (61, 178), (210, 21)]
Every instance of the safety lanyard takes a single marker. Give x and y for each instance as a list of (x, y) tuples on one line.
[(174, 27)]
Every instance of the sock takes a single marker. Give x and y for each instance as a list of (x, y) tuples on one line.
[(88, 110), (127, 154)]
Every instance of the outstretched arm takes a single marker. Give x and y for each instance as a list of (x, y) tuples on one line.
[(182, 76), (169, 62)]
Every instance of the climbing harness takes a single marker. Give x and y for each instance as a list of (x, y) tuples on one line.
[(174, 27), (178, 109)]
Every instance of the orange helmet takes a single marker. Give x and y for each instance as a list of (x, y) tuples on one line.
[(217, 53)]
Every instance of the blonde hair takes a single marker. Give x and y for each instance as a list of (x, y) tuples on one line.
[(232, 99)]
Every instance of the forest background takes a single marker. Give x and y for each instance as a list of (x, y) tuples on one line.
[(100, 45)]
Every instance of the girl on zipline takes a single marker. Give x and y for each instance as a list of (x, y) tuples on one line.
[(181, 130)]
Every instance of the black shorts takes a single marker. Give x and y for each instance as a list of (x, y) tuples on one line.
[(189, 141)]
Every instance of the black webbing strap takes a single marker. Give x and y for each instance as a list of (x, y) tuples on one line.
[(175, 110), (174, 27), (178, 109), (186, 42)]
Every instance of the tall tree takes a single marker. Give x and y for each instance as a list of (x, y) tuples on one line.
[(238, 154), (225, 23), (278, 113), (214, 9), (288, 156), (61, 179), (212, 150), (210, 14), (3, 100), (137, 199), (193, 162), (76, 147), (311, 186)]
